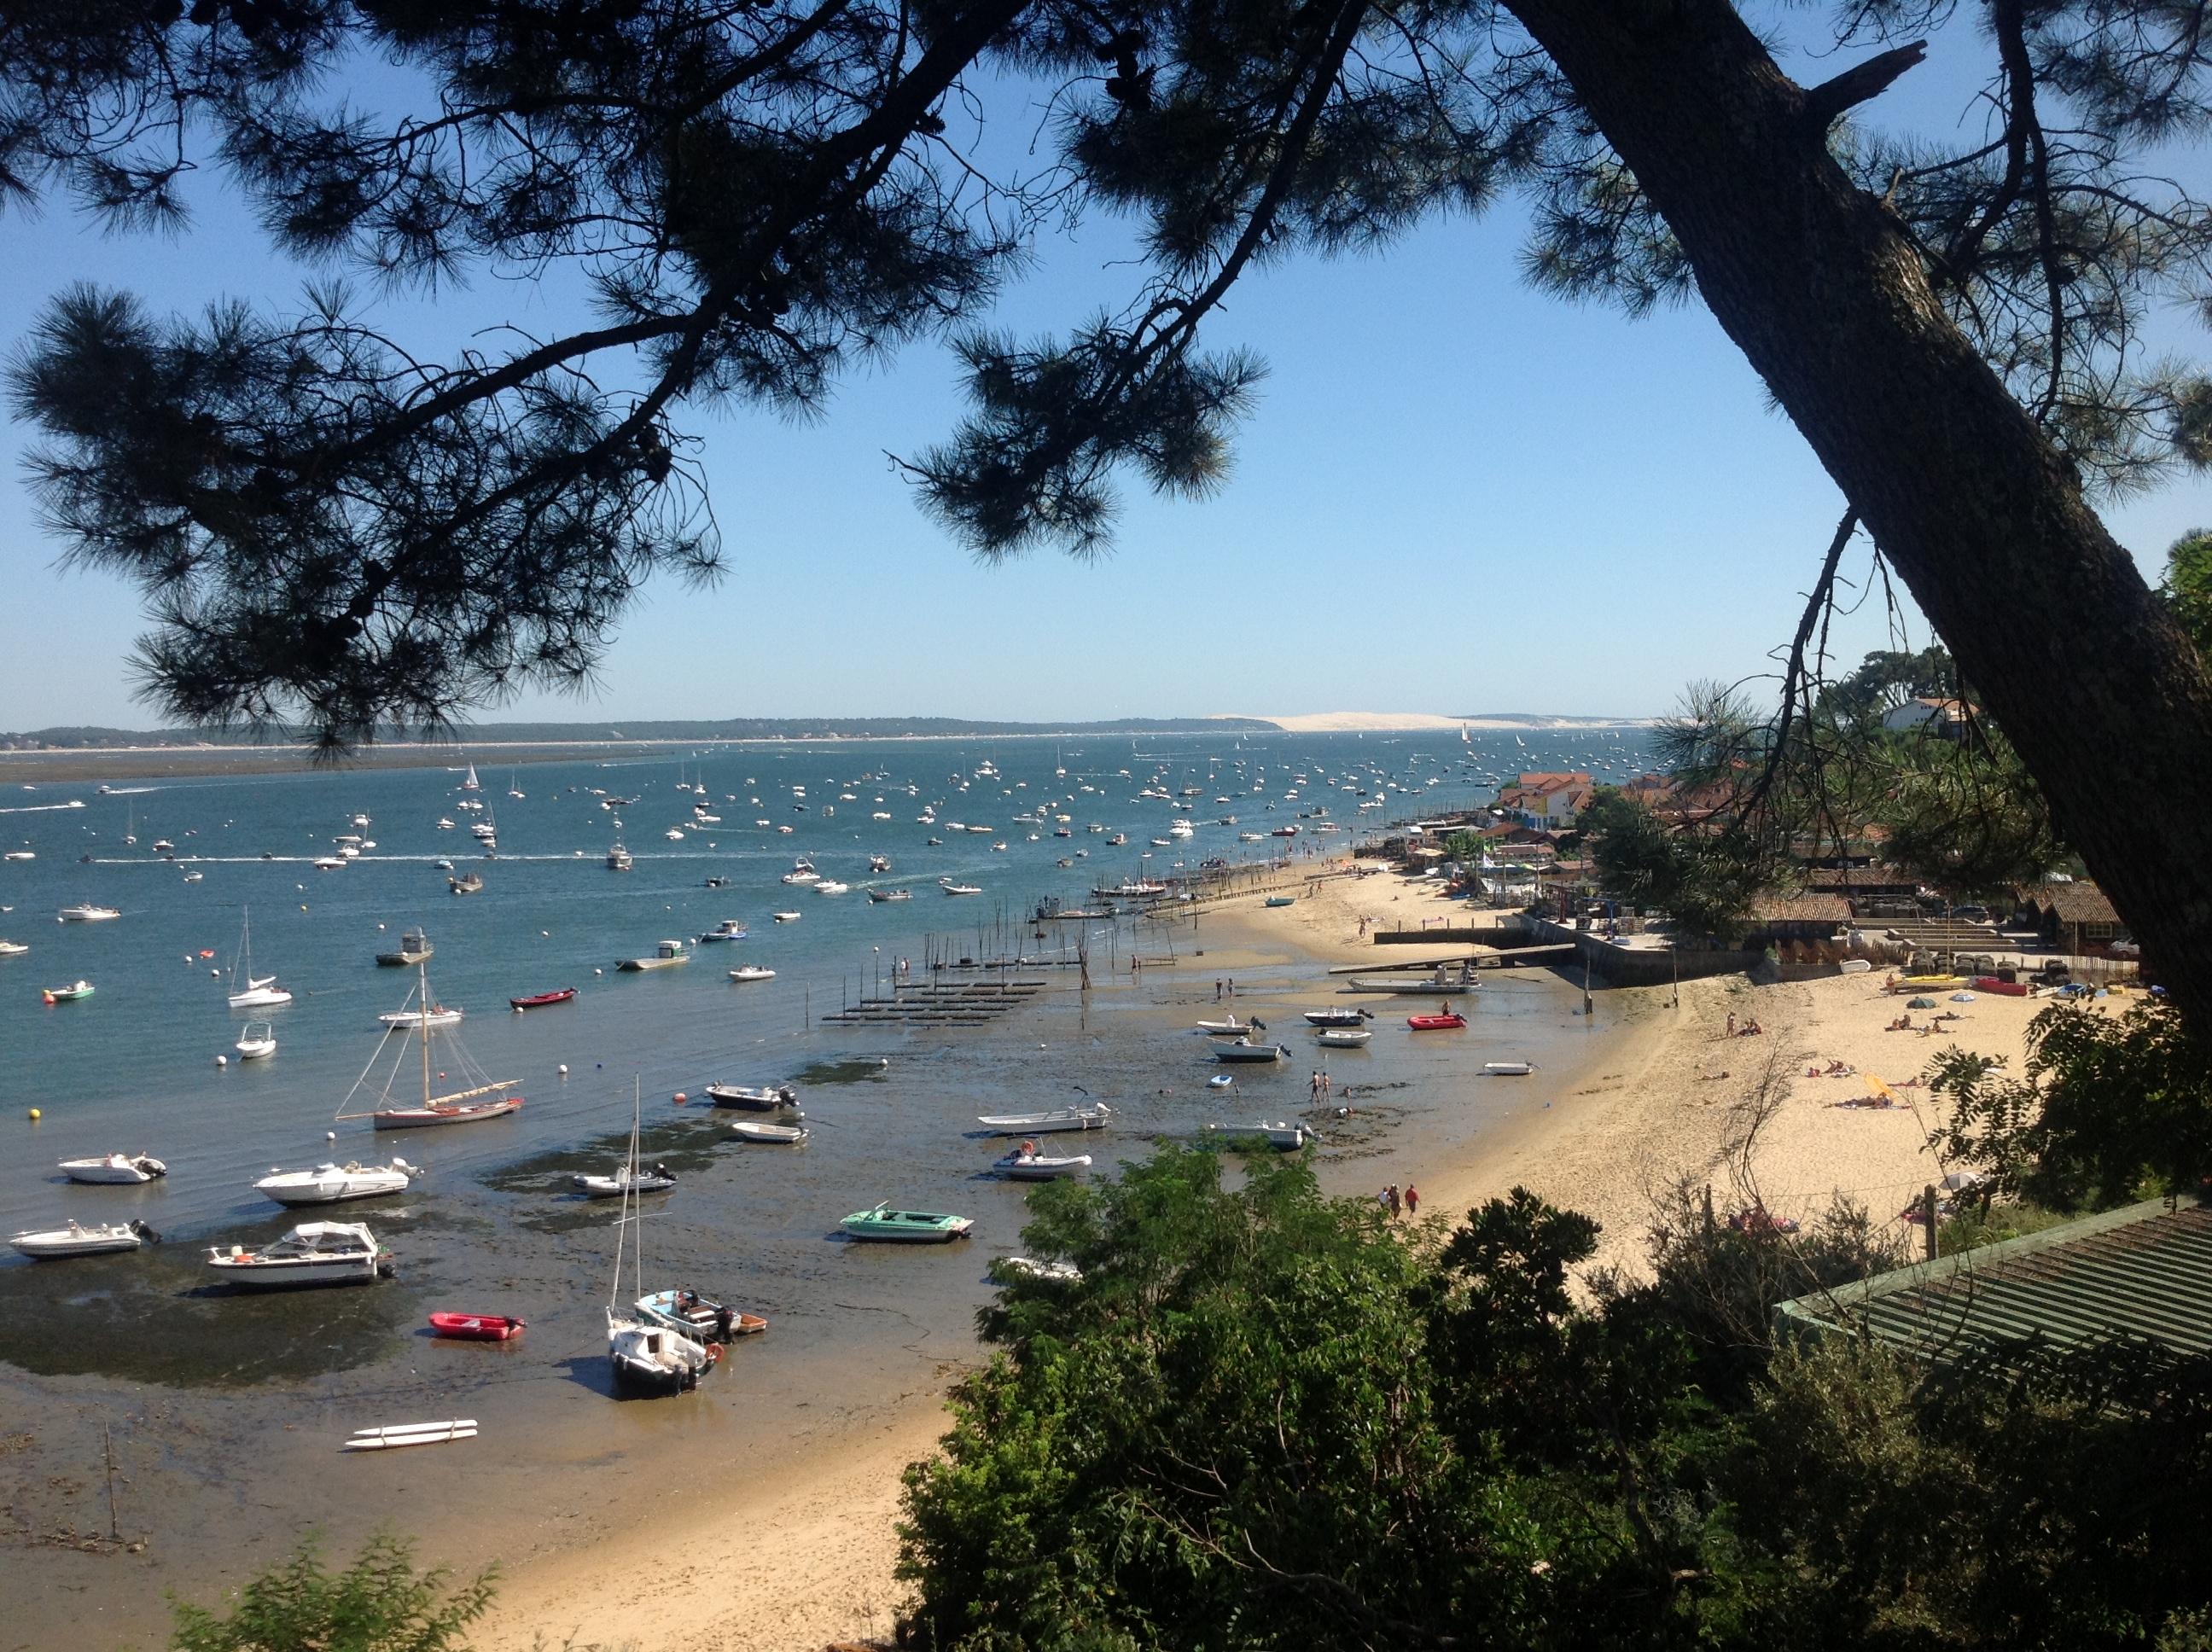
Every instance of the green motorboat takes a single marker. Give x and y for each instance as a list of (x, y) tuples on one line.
[(906, 1227), (68, 995)]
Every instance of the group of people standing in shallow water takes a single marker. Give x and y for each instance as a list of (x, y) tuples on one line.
[(1393, 1201)]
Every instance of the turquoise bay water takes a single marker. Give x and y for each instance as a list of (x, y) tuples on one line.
[(243, 1397)]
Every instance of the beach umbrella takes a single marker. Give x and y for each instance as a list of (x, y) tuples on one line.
[(1921, 1004), (1962, 997)]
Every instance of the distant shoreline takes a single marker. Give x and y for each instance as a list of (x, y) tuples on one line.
[(55, 765)]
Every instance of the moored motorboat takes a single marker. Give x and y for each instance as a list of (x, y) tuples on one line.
[(86, 913), (752, 972), (68, 995), (469, 882), (883, 1224), (78, 1240), (540, 1000), (785, 917), (114, 1167), (1428, 986), (666, 956), (619, 858), (312, 1253), (699, 1317), (1244, 1050), (730, 929), (1096, 1116), (1507, 1069), (476, 1328), (257, 1040), (755, 1098), (882, 895), (1342, 1038), (1230, 1027), (1344, 1018), (335, 1184), (779, 1135), (12, 948), (1025, 1163), (1282, 1136), (654, 1179), (1219, 1081)]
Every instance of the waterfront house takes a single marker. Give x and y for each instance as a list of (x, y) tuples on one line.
[(1945, 718), (1547, 799), (2076, 917)]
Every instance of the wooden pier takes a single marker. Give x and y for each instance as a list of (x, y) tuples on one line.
[(939, 1004)]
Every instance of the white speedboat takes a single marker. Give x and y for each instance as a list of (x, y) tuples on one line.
[(77, 1240), (114, 1167), (658, 1179), (802, 871), (89, 913), (779, 1135), (830, 886), (1232, 1028), (881, 895), (1024, 1165), (333, 1184), (619, 858), (1345, 1018), (436, 1014), (1507, 1069), (256, 1040), (952, 887), (1342, 1038), (1096, 1116), (312, 1253), (330, 863), (785, 917), (752, 972), (12, 948)]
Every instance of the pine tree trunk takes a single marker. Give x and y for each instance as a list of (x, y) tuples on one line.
[(1983, 519)]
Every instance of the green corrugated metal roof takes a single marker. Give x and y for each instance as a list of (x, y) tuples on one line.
[(2142, 1271)]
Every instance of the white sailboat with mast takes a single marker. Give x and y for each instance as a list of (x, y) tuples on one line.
[(647, 1357), (480, 1097), (259, 991)]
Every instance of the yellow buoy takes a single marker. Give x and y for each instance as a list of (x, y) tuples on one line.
[(34, 1115)]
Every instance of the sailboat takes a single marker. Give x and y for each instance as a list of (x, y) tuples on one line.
[(513, 785), (259, 992), (647, 1357), (478, 1099), (470, 783)]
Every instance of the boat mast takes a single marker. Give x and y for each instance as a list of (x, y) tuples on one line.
[(423, 977)]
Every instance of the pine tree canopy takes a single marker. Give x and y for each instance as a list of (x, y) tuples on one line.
[(334, 526)]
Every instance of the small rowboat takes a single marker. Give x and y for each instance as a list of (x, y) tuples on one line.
[(1436, 1022), (2000, 988), (752, 972), (1342, 1038), (476, 1328), (1507, 1069), (1219, 1081), (1232, 1028), (412, 1434), (1337, 1017), (1095, 1117), (906, 1227), (1282, 1136), (539, 1000), (781, 1135)]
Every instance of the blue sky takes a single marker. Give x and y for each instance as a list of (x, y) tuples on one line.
[(1456, 495)]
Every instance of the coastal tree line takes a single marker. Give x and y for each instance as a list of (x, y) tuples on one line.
[(756, 194)]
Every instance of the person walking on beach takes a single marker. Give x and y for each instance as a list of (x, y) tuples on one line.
[(1413, 1199), (1313, 1087), (1391, 1194), (1731, 1023), (1383, 1198), (1217, 989)]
